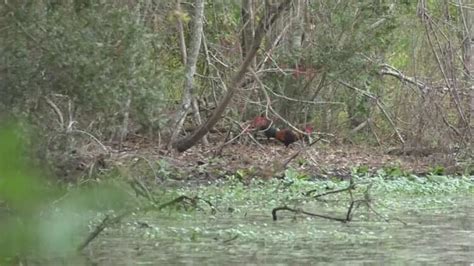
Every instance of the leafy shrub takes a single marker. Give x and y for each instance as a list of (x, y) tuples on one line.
[(98, 59)]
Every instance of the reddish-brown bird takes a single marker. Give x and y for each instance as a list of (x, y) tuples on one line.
[(288, 136)]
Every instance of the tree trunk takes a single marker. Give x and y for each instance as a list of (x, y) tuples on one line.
[(468, 60), (182, 42), (189, 141), (247, 34), (191, 61), (126, 118), (298, 24), (197, 118)]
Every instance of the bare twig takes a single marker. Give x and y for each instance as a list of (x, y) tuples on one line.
[(244, 131), (140, 189), (155, 173), (350, 187), (285, 208), (351, 209), (294, 155), (379, 104), (235, 83), (424, 88), (387, 220), (300, 100), (92, 137), (98, 229), (428, 22), (230, 239), (57, 111)]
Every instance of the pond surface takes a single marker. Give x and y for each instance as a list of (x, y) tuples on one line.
[(440, 234)]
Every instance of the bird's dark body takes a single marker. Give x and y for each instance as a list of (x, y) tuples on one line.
[(270, 132), (287, 136)]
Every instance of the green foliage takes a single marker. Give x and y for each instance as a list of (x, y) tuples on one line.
[(392, 171), (97, 58), (437, 170), (164, 168), (345, 35), (20, 187), (36, 216), (360, 170), (355, 28), (292, 174), (223, 17), (240, 174), (21, 190), (430, 185)]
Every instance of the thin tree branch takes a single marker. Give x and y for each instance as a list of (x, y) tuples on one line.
[(189, 141)]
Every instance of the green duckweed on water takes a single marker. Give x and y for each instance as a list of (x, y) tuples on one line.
[(418, 219)]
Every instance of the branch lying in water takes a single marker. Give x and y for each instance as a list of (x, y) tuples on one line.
[(354, 204), (107, 221), (285, 208)]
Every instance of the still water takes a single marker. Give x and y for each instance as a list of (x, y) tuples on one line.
[(441, 234)]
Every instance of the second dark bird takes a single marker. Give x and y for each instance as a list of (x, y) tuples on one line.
[(286, 136)]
